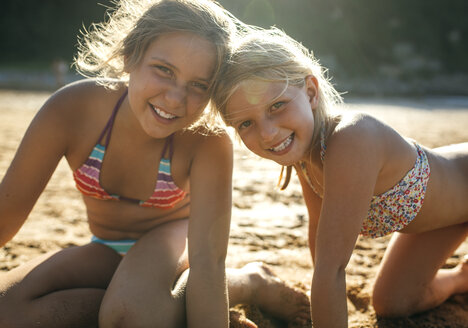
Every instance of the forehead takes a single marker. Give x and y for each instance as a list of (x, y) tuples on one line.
[(187, 52), (250, 95)]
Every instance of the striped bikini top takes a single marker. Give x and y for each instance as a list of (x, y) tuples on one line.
[(166, 193)]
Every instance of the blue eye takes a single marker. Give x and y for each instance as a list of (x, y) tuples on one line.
[(277, 105), (244, 125)]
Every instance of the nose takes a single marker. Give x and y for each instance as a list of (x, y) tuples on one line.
[(175, 95), (267, 130)]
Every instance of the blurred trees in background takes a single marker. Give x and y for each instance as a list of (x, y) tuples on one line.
[(38, 31), (374, 39)]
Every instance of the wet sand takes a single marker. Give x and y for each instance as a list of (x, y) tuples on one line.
[(267, 225)]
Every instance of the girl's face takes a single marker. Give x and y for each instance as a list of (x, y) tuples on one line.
[(274, 124), (168, 88)]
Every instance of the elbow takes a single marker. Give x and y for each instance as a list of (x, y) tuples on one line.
[(212, 255), (209, 274), (326, 278), (6, 234), (326, 265), (208, 266), (329, 273), (209, 262)]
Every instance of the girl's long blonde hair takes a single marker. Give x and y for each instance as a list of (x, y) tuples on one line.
[(272, 56)]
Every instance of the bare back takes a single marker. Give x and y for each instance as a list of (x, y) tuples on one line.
[(447, 191), (390, 158)]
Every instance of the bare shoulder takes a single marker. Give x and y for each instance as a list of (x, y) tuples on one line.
[(355, 122), (203, 142), (77, 106), (78, 98), (358, 131)]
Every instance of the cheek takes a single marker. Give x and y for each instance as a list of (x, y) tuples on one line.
[(250, 142), (195, 109), (197, 103), (137, 89), (304, 121)]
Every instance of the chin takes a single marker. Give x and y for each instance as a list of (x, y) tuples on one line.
[(283, 161), (286, 163), (158, 133)]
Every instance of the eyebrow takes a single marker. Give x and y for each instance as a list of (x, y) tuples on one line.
[(165, 62), (235, 121), (232, 123)]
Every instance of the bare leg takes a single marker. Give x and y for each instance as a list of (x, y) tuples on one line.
[(410, 279), (62, 289), (148, 288), (65, 289), (144, 291)]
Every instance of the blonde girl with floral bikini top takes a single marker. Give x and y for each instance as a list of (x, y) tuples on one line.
[(278, 98), (394, 209)]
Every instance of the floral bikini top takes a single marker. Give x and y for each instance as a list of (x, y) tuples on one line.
[(397, 207), (166, 193)]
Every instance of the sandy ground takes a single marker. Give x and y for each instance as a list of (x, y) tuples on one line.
[(268, 225)]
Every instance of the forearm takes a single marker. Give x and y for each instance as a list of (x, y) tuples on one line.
[(312, 235), (13, 212), (207, 298), (6, 234), (9, 226), (328, 300)]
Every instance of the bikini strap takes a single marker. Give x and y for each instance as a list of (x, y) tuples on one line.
[(168, 144), (110, 123), (303, 164), (323, 146)]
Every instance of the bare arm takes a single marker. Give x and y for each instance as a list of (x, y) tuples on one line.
[(210, 184), (314, 204), (42, 147), (350, 171)]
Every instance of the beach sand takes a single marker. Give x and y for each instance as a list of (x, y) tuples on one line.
[(267, 224)]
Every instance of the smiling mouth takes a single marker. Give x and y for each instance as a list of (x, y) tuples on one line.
[(162, 113), (283, 145)]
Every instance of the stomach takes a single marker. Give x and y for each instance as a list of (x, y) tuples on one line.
[(447, 190), (117, 220)]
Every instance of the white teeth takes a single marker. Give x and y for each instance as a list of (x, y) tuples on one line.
[(163, 114), (283, 145)]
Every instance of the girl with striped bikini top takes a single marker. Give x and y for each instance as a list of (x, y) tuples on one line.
[(168, 54), (166, 193)]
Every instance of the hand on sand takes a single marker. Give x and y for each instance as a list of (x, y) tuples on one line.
[(238, 320), (275, 297)]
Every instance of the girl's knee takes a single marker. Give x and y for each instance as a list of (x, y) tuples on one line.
[(393, 302), (121, 312), (117, 313)]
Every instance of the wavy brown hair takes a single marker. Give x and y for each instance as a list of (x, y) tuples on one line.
[(108, 50)]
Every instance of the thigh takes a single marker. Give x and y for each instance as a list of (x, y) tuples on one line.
[(412, 260), (149, 271), (88, 266)]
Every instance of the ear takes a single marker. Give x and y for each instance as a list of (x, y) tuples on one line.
[(312, 87)]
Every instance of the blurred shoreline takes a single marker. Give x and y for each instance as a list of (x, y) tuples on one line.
[(454, 87)]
